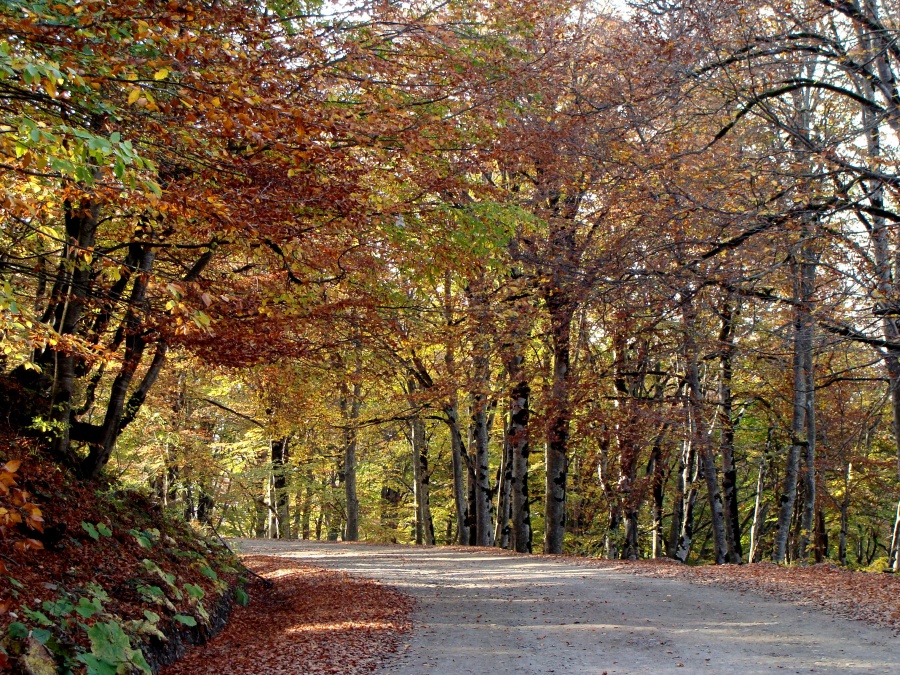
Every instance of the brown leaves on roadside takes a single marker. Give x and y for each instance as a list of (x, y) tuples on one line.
[(312, 621)]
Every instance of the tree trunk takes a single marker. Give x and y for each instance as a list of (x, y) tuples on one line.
[(558, 419), (390, 504), (281, 512), (519, 449), (350, 405), (895, 541), (458, 462), (504, 479), (611, 538), (689, 476), (821, 540), (71, 292), (726, 446), (655, 469), (845, 515), (678, 503), (421, 477), (881, 235), (755, 529), (484, 535), (801, 444), (701, 434), (471, 488)]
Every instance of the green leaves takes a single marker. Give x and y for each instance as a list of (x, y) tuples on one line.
[(141, 539), (194, 591), (111, 650), (94, 531), (185, 619), (88, 608), (17, 630), (209, 572), (38, 617)]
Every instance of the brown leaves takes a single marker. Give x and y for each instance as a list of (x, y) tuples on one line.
[(312, 621), (16, 508)]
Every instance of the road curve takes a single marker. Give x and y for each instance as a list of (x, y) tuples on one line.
[(483, 612)]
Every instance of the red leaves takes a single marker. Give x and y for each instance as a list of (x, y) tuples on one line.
[(312, 621)]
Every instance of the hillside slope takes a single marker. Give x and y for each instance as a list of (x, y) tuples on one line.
[(96, 580)]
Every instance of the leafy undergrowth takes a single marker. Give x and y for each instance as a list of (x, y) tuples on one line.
[(312, 620), (93, 580)]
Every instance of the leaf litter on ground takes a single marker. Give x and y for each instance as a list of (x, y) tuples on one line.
[(311, 620)]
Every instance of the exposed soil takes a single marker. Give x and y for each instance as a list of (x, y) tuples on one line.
[(486, 611), (312, 620)]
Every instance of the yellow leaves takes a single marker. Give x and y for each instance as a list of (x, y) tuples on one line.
[(33, 517), (216, 102), (12, 466), (161, 74), (134, 95)]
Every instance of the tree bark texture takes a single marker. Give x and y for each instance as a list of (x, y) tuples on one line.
[(558, 419), (350, 406), (801, 444), (518, 438), (458, 462), (726, 445)]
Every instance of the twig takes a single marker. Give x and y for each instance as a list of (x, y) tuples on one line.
[(266, 582)]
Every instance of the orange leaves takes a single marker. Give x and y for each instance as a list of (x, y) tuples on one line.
[(33, 517), (8, 475), (28, 545), (8, 518), (16, 509)]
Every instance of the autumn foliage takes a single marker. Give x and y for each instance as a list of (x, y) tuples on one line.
[(527, 275)]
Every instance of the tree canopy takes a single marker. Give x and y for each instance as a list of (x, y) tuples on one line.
[(527, 275)]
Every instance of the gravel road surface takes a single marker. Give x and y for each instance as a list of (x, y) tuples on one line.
[(483, 612)]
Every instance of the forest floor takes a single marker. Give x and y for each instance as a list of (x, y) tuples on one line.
[(488, 611), (311, 620)]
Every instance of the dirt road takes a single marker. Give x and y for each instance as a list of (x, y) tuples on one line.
[(487, 613)]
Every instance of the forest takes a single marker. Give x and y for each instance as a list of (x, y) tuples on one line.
[(617, 281)]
